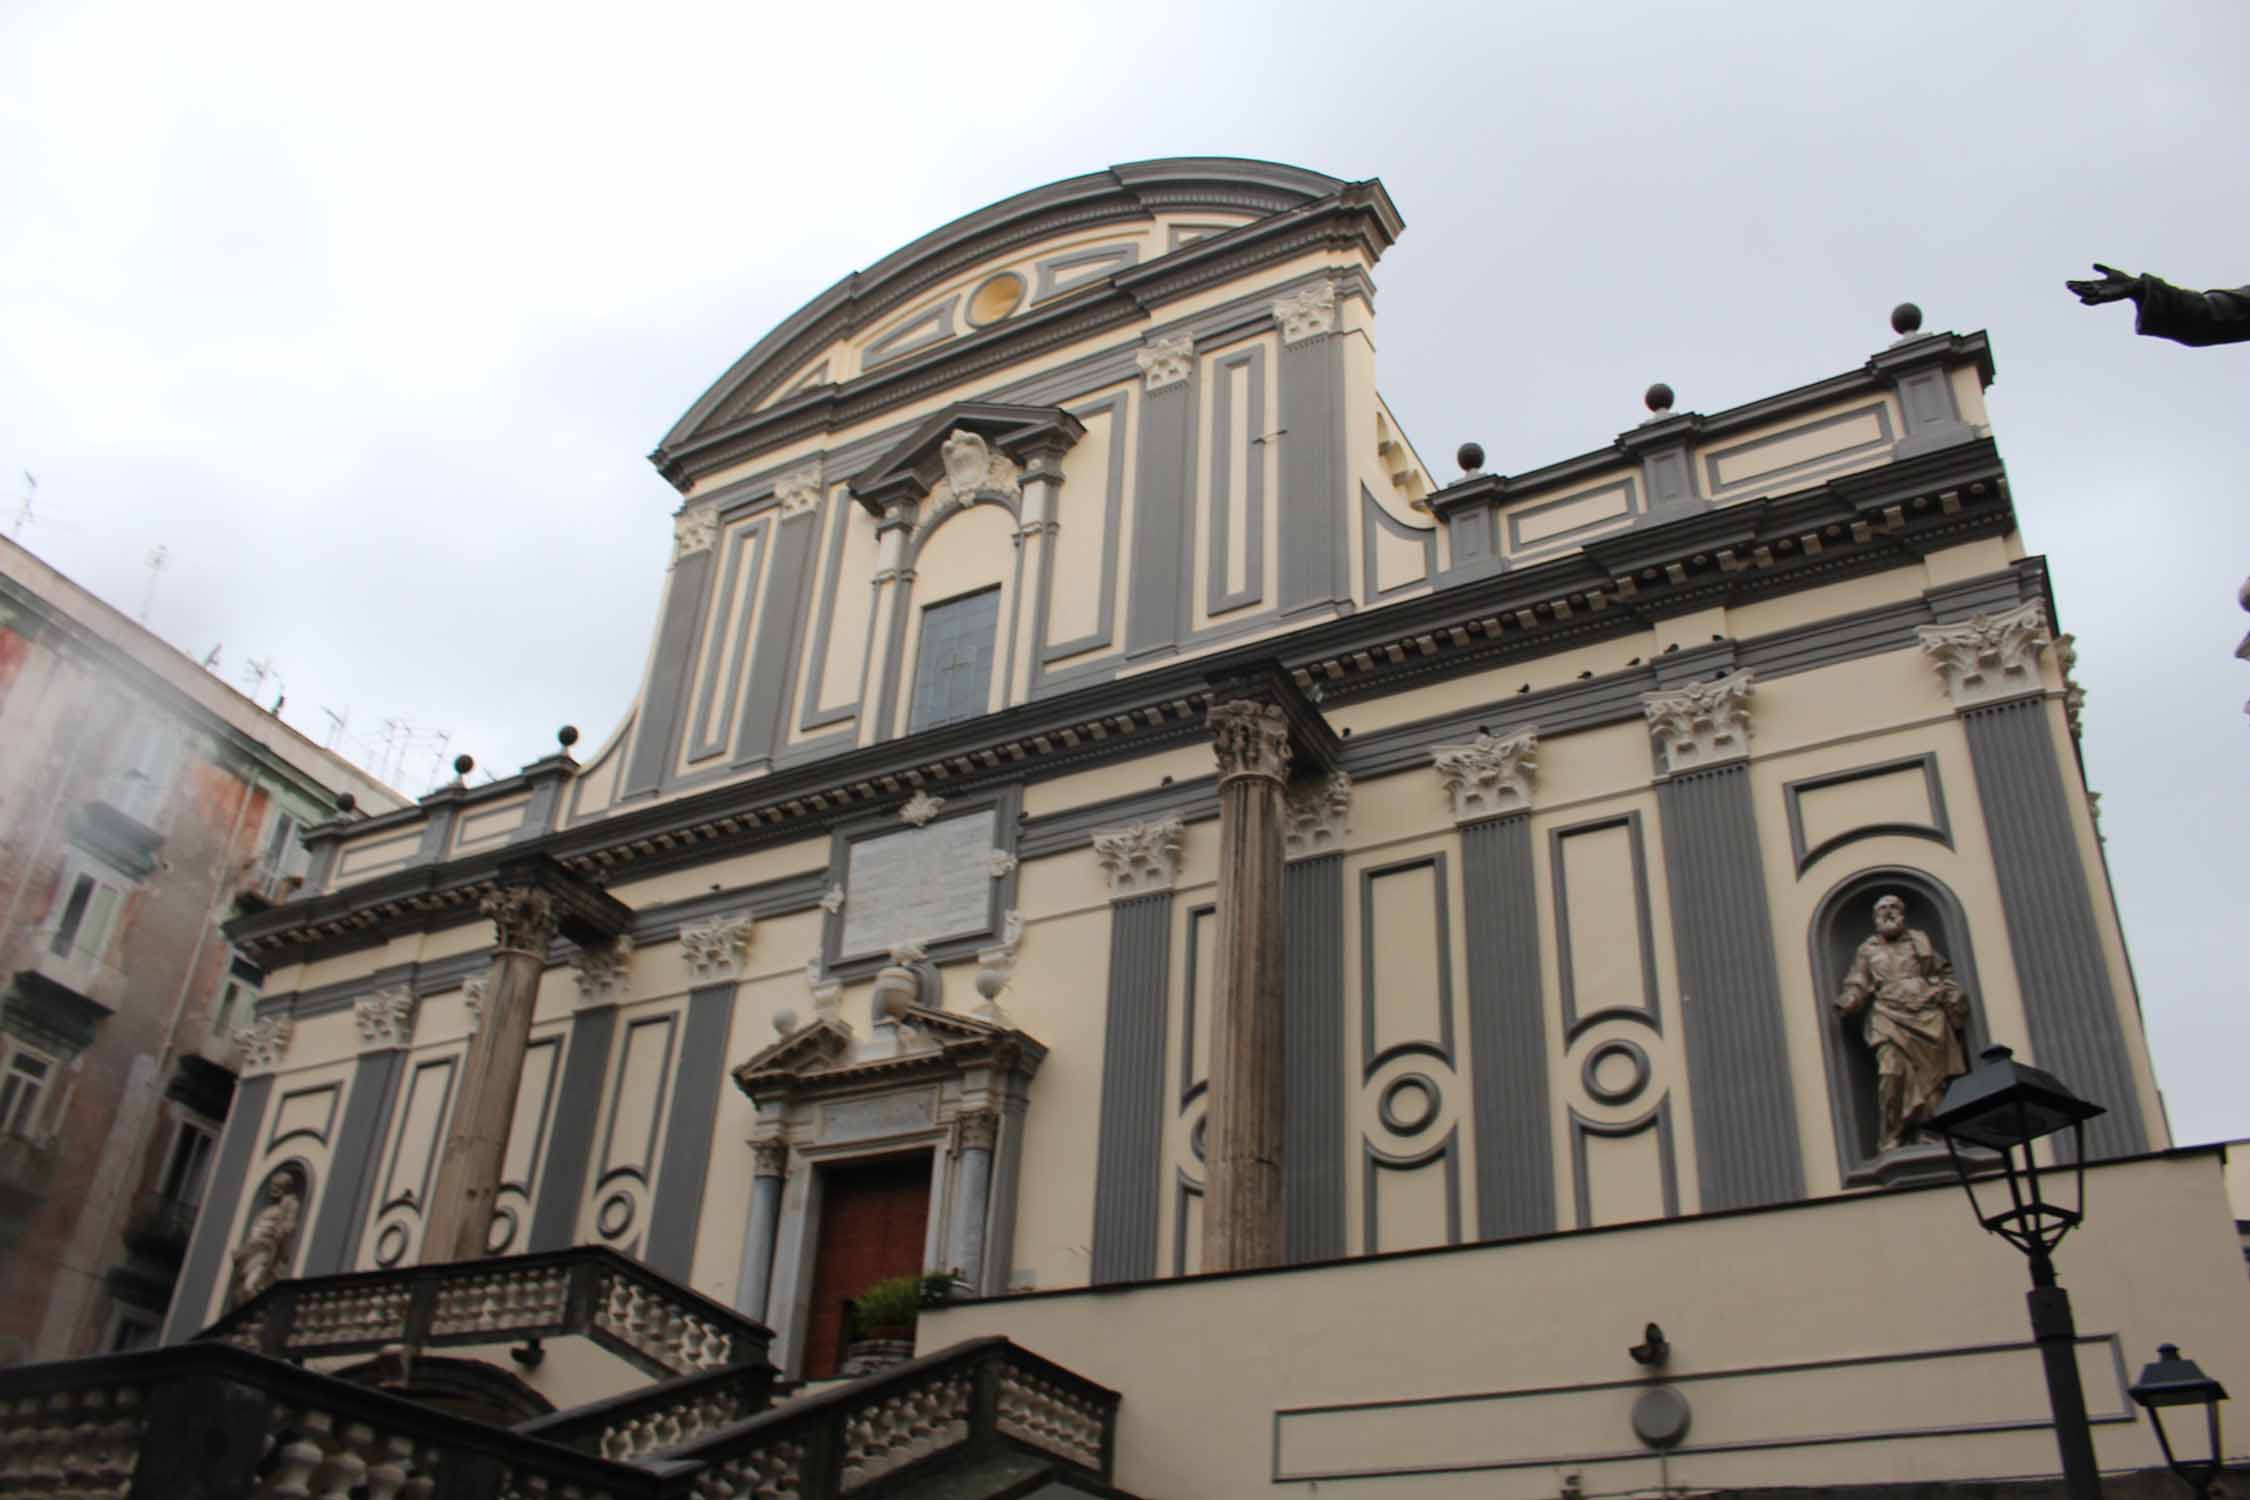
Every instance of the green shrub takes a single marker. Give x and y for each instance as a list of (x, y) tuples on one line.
[(896, 1301)]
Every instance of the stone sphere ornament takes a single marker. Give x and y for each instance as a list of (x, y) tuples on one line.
[(1658, 398), (345, 802), (990, 982), (784, 1021), (1906, 320), (567, 736), (1471, 457), (897, 989), (464, 764)]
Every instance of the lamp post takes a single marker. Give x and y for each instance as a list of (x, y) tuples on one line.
[(2176, 1381), (2003, 1106)]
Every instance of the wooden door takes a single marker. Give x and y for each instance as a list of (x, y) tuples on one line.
[(873, 1216)]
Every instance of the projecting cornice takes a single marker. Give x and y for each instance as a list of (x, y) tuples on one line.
[(1856, 524)]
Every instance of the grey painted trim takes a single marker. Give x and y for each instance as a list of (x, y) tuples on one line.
[(1989, 594), (1730, 993), (448, 1071), (773, 664), (2069, 1005), (1374, 1162), (933, 325), (1589, 1072), (1939, 830), (1103, 259), (1371, 516), (1668, 477), (670, 1021), (1650, 1012), (351, 1170), (332, 1091), (745, 566), (676, 1206), (1712, 457), (2123, 1413), (1932, 416), (1190, 1065), (1184, 1187), (1118, 409), (1563, 540), (659, 716), (1217, 513), (1156, 601), (1128, 1156), (562, 1176), (1441, 916), (222, 1200), (1659, 1117), (1315, 1186), (1178, 235), (812, 714), (1315, 554), (1508, 1046), (539, 812)]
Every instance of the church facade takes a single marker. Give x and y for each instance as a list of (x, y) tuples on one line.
[(1103, 810)]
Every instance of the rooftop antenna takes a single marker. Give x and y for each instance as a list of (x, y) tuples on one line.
[(156, 558), (23, 516), (211, 660), (336, 723)]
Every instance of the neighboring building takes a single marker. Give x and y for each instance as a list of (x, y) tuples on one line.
[(1096, 815), (140, 798)]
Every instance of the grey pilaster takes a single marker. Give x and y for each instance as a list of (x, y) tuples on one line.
[(343, 1204), (678, 1204), (1128, 1156), (562, 1177), (769, 1169), (1156, 604), (222, 1198), (1316, 1095), (1515, 1167), (655, 737), (1730, 995), (773, 662), (1313, 465), (2069, 1004)]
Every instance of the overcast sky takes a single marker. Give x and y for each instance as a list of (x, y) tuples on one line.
[(368, 317)]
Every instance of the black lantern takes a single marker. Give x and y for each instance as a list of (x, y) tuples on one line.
[(2175, 1380), (2003, 1106)]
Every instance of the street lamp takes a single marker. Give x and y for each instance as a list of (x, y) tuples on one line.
[(2003, 1106), (2176, 1381)]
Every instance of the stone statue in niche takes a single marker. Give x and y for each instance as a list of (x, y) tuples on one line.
[(1915, 1014), (268, 1245)]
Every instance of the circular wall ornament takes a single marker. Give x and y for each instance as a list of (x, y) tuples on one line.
[(615, 1217), (501, 1232), (390, 1246), (995, 298), (1413, 1119), (1609, 1083), (1195, 1138), (1660, 1417)]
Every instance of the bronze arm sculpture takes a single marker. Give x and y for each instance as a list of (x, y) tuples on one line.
[(2166, 312)]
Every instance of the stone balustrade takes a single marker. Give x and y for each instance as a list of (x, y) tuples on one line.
[(663, 1329), (661, 1418)]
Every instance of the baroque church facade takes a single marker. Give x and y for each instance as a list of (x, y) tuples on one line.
[(1103, 822)]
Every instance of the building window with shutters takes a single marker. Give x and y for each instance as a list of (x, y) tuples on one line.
[(953, 665), (21, 1089)]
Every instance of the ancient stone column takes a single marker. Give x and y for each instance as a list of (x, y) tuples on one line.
[(468, 1175), (769, 1169), (972, 1196), (1244, 1220)]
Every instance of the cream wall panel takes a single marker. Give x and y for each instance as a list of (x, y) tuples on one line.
[(719, 671), (1075, 596), (1972, 559), (842, 601), (1786, 611), (1899, 796), (482, 827), (1238, 468), (1904, 1273), (1968, 394), (1184, 1079), (1399, 560), (1625, 1177), (428, 1085), (591, 791), (767, 862), (1799, 452), (1118, 779), (1490, 688), (629, 1140)]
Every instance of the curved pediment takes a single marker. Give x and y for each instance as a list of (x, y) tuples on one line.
[(1014, 263)]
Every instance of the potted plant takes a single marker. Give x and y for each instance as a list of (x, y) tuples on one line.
[(879, 1322)]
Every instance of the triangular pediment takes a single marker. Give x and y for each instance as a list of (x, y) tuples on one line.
[(826, 1055), (918, 463)]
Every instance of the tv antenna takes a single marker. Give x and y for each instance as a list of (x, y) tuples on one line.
[(23, 515), (156, 560)]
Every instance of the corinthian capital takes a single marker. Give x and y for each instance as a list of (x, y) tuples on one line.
[(1488, 777), (1141, 857), (1988, 657), (1306, 314), (263, 1044), (1315, 820), (602, 970), (694, 532), (386, 1019), (799, 491), (523, 918), (1167, 361), (716, 949), (1251, 739), (1702, 724)]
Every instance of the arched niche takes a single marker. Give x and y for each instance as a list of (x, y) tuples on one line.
[(1840, 923)]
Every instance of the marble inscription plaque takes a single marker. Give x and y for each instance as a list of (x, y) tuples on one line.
[(918, 885), (880, 1114)]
